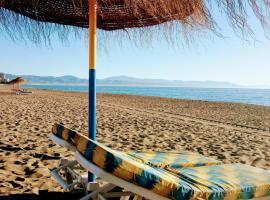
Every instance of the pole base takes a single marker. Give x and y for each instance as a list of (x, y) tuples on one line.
[(92, 186)]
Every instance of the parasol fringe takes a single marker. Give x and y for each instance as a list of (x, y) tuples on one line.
[(176, 18)]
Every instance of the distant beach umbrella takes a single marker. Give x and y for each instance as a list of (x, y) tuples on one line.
[(17, 82)]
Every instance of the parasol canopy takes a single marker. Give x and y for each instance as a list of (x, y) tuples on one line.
[(125, 14), (111, 14), (18, 81)]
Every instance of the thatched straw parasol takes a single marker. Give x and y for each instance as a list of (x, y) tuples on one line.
[(191, 15), (43, 17), (17, 82)]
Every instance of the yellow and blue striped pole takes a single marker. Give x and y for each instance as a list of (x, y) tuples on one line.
[(92, 74)]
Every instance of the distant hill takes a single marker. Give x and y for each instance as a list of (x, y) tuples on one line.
[(122, 80), (125, 80)]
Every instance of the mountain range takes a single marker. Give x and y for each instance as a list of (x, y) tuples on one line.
[(121, 81), (125, 80)]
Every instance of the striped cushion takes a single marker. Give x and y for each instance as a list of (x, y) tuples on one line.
[(221, 182), (174, 159), (233, 181)]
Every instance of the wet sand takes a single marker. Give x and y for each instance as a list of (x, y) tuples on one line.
[(230, 132)]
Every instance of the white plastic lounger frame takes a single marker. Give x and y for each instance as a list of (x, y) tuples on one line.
[(62, 143)]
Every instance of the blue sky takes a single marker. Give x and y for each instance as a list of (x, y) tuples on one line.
[(213, 58)]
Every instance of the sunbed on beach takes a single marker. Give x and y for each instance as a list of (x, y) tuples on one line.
[(21, 91), (158, 175)]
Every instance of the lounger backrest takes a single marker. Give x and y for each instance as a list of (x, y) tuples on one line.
[(128, 168)]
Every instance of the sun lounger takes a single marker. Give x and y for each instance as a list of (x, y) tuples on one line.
[(21, 91), (151, 179)]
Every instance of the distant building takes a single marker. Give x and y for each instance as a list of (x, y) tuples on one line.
[(3, 78)]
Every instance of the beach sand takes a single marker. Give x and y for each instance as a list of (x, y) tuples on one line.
[(230, 132)]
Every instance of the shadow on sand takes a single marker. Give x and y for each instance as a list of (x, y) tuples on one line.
[(44, 196)]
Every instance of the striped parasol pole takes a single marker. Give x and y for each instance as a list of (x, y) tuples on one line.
[(92, 75)]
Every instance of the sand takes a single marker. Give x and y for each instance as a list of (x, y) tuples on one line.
[(230, 132)]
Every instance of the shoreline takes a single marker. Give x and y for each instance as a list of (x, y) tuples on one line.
[(229, 132), (153, 86), (181, 99)]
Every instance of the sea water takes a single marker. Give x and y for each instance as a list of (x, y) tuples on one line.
[(240, 95)]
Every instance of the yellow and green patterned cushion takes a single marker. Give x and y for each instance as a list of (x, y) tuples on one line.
[(173, 159), (233, 181)]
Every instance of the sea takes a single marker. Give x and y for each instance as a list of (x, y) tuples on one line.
[(238, 95)]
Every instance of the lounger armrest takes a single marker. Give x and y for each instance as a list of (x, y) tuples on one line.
[(60, 180)]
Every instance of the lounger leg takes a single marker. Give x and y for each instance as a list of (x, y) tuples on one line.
[(92, 187), (106, 188)]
